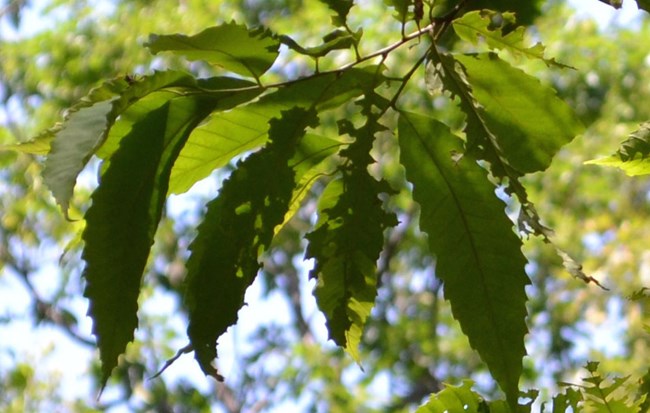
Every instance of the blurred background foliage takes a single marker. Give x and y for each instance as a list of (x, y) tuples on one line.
[(277, 358)]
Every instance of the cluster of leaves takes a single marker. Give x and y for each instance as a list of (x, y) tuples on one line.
[(161, 133), (595, 394)]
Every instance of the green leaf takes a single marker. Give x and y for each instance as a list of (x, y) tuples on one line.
[(444, 74), (126, 88), (632, 156), (487, 25), (346, 244), (238, 227), (634, 167), (226, 135), (570, 398), (528, 120), (478, 254), (72, 143), (234, 47), (72, 148), (309, 164), (39, 145), (341, 8), (643, 395), (123, 218), (453, 399)]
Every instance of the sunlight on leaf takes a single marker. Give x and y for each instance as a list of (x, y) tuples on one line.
[(487, 26), (632, 156), (227, 135), (347, 241), (530, 123), (234, 47), (239, 225), (453, 399)]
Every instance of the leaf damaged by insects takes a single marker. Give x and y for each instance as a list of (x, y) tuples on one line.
[(239, 225)]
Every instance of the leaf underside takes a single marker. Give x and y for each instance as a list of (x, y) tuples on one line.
[(72, 148), (231, 46), (238, 226), (123, 218), (87, 125), (478, 254), (346, 244)]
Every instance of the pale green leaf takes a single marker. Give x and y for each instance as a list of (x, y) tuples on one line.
[(227, 135), (632, 156), (234, 47), (309, 163), (635, 167), (40, 145), (72, 148), (528, 120), (487, 26), (453, 399), (478, 255)]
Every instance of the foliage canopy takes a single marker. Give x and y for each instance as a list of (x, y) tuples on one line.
[(160, 133)]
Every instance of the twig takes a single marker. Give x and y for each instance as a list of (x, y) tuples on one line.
[(183, 350)]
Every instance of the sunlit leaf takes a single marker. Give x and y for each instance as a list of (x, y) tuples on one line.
[(226, 135), (487, 26), (453, 399), (238, 226), (478, 255), (347, 242), (309, 163), (39, 145), (632, 156), (72, 143), (234, 47), (528, 120)]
